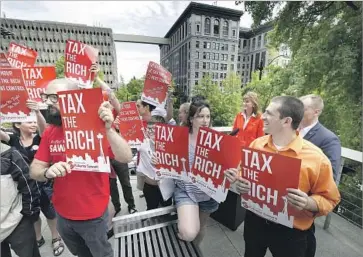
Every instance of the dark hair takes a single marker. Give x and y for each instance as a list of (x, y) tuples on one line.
[(290, 107), (195, 108), (16, 129), (198, 98), (151, 107), (157, 118)]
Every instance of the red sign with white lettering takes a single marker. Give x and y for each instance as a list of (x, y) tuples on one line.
[(156, 84), (171, 148), (130, 124), (20, 56), (4, 62), (84, 132), (79, 58), (215, 152), (270, 175), (36, 80), (13, 97)]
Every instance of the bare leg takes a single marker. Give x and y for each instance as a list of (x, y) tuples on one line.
[(111, 213), (203, 218), (38, 229), (188, 222), (53, 227)]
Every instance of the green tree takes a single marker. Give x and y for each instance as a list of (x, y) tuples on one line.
[(134, 88)]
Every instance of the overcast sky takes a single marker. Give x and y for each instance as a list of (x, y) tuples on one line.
[(149, 18)]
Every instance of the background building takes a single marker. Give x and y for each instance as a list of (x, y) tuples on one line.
[(204, 39), (49, 40)]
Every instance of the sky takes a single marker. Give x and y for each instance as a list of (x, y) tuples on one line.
[(148, 18)]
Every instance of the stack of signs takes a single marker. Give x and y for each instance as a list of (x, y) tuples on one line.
[(13, 97), (171, 148), (85, 134), (21, 56), (36, 81), (79, 58), (156, 85), (270, 175), (4, 62), (215, 152), (130, 124)]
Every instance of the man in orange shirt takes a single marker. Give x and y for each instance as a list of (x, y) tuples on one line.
[(317, 194)]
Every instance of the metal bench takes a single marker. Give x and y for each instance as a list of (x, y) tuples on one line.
[(151, 234)]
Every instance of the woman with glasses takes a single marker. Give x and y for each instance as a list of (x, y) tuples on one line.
[(26, 140)]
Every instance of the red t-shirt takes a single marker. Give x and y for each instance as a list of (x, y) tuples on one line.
[(80, 195)]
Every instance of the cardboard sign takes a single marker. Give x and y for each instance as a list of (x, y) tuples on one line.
[(20, 56), (156, 85), (270, 175), (13, 96), (130, 124), (79, 58), (36, 80), (84, 132), (4, 62), (171, 148), (215, 152)]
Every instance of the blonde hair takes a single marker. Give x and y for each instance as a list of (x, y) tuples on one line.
[(316, 101), (252, 96)]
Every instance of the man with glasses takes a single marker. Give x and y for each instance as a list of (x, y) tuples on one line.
[(80, 198)]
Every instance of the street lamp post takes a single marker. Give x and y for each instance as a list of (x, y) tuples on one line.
[(261, 64)]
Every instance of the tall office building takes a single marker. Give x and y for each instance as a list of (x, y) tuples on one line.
[(204, 39), (49, 40), (207, 39)]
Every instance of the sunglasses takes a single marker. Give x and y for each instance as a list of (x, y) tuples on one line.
[(52, 97)]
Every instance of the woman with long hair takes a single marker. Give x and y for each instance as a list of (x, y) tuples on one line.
[(248, 122)]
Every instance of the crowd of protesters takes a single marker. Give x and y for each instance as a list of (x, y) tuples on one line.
[(79, 205)]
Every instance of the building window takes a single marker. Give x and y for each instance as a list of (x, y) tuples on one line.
[(217, 57), (207, 26), (232, 67), (204, 55), (217, 46), (198, 28), (244, 43), (197, 44), (234, 34), (206, 45), (213, 45), (265, 39), (233, 48), (259, 42), (196, 82), (239, 58), (225, 28), (197, 65), (226, 47), (243, 66), (204, 65), (216, 28), (196, 75), (243, 73), (238, 65), (197, 55), (244, 58), (232, 57), (213, 55), (253, 44)]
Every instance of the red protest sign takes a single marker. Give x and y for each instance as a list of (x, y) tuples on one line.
[(13, 97), (4, 62), (79, 58), (215, 152), (20, 56), (156, 84), (130, 124), (171, 148), (270, 175), (84, 132), (36, 80)]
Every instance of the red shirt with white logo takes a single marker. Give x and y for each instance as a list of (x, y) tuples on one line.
[(80, 195)]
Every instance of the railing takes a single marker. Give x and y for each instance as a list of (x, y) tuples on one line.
[(350, 186)]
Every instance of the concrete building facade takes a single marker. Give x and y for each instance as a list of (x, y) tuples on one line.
[(203, 40), (49, 40)]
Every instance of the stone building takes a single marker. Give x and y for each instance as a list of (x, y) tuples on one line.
[(48, 38)]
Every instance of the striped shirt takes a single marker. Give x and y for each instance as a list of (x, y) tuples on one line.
[(192, 190)]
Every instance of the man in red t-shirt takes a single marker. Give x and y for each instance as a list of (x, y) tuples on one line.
[(80, 198)]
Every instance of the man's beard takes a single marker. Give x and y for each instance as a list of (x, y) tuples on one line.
[(54, 116)]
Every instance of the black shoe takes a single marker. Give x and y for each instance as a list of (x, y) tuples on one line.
[(132, 210), (117, 212)]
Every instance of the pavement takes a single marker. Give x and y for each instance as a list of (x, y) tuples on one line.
[(342, 239)]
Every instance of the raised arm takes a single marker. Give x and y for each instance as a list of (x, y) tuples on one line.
[(34, 106)]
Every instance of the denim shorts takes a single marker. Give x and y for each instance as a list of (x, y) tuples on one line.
[(182, 198)]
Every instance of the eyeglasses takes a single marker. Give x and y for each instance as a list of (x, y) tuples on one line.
[(52, 97)]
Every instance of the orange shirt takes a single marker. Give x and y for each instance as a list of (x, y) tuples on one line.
[(316, 176), (253, 130)]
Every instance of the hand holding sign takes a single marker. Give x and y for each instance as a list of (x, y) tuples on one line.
[(105, 114), (231, 175), (243, 186), (59, 169), (297, 198), (32, 105)]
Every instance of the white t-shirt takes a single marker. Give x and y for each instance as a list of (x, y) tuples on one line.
[(145, 167)]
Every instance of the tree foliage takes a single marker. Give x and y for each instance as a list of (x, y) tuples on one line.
[(131, 91), (225, 101)]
